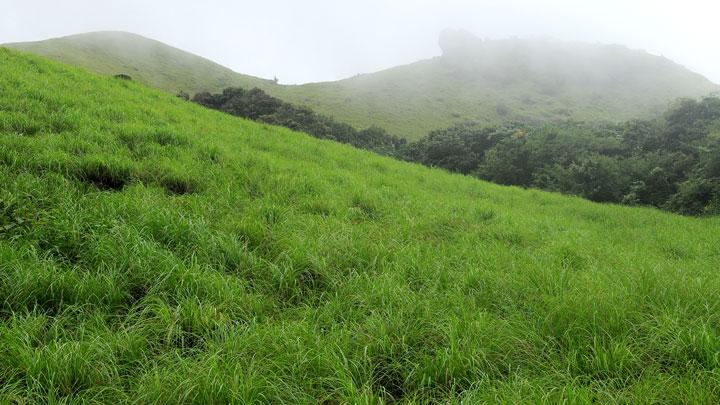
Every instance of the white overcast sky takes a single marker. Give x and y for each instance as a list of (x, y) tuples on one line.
[(316, 40)]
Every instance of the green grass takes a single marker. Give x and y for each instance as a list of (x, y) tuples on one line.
[(153, 251), (530, 80), (145, 60)]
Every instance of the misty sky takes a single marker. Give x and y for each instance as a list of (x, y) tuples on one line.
[(315, 40)]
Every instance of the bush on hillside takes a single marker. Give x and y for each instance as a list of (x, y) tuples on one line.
[(255, 104)]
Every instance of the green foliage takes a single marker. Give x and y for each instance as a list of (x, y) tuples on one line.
[(298, 270), (460, 148), (697, 196), (255, 104), (671, 163)]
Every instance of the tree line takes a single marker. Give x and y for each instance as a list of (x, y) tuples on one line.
[(672, 162), (257, 105)]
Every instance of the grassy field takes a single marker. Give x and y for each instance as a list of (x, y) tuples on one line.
[(152, 251), (492, 81)]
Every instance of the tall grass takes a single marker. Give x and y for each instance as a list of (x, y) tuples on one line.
[(154, 251)]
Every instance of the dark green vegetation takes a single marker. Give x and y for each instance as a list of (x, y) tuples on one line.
[(152, 250), (671, 163), (255, 104), (474, 80)]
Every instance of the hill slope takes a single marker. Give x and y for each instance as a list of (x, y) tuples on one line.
[(145, 60), (155, 251), (490, 81)]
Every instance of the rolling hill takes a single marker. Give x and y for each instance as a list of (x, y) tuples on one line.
[(474, 80), (145, 60), (153, 251)]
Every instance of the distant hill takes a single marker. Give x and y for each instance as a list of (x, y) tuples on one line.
[(148, 61), (473, 79), (532, 80)]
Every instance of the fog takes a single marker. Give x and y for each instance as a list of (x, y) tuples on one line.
[(319, 40)]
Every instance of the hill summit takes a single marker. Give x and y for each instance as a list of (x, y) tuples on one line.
[(146, 60), (553, 67)]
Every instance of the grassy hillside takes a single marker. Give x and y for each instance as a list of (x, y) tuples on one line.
[(145, 60), (155, 251), (488, 81)]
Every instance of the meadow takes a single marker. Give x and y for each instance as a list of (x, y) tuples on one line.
[(154, 251)]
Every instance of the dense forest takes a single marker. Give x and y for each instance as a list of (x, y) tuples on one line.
[(671, 162)]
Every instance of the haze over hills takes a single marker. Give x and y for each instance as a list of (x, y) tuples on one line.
[(490, 81), (474, 80)]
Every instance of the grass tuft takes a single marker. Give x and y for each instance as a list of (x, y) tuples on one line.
[(105, 174)]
